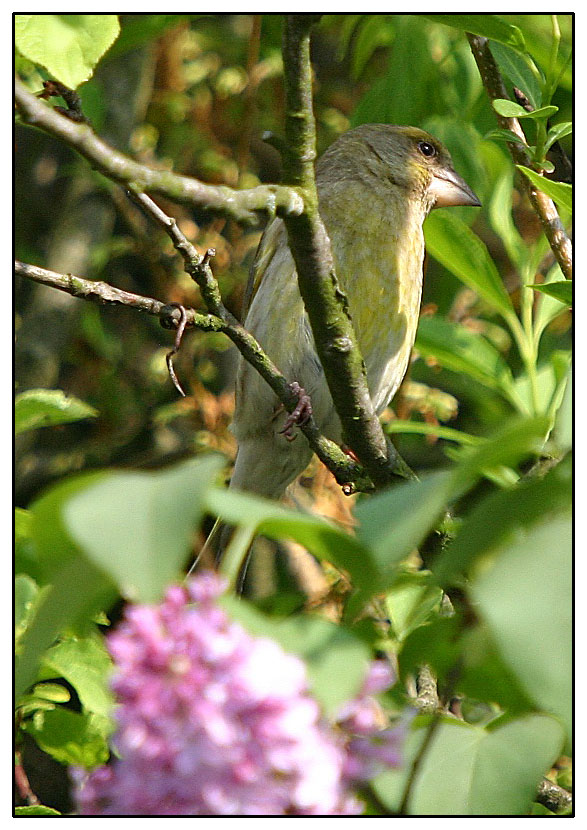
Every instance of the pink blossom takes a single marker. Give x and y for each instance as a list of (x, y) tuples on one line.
[(213, 721)]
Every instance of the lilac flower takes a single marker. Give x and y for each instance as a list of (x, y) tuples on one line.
[(371, 744), (213, 721)]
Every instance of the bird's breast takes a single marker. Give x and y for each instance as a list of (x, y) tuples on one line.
[(379, 266)]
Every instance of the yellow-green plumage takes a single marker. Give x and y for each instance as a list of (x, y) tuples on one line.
[(376, 184)]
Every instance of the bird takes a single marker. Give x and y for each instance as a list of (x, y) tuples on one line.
[(376, 184)]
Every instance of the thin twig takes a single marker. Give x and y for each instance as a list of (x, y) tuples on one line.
[(170, 355)]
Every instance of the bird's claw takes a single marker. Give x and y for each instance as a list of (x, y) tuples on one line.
[(300, 415)]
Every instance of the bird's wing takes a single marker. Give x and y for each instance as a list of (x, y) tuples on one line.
[(265, 253)]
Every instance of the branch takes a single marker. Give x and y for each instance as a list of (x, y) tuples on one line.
[(243, 206), (542, 204), (323, 297), (553, 797), (347, 472)]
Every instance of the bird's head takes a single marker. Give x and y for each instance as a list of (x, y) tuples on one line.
[(404, 157)]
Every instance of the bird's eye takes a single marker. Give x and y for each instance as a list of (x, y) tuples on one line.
[(427, 149)]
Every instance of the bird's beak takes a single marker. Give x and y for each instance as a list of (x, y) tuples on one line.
[(448, 189)]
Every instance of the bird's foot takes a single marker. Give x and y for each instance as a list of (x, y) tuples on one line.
[(300, 415)]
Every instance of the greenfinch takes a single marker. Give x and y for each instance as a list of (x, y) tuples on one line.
[(376, 184)]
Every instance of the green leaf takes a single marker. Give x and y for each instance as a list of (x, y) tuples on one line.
[(562, 290), (500, 215), (501, 516), (541, 113), (393, 523), (546, 382), (80, 590), (455, 246), (388, 102), (421, 428), (47, 407), (69, 46), (52, 692), (520, 438), (505, 135), (526, 598), (557, 132), (474, 771), (25, 554), (86, 665), (410, 601), (53, 545), (455, 347), (70, 737), (35, 810), (486, 25), (137, 30), (519, 69), (507, 108), (336, 660), (373, 33), (320, 537), (137, 527), (563, 428), (559, 192), (444, 642), (510, 109)]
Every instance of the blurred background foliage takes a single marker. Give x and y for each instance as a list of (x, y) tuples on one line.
[(196, 94)]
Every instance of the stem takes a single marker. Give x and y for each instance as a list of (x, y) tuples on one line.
[(525, 344)]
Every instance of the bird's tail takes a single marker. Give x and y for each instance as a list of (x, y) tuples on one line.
[(264, 467)]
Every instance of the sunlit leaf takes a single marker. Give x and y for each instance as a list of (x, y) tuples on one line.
[(557, 132), (511, 109), (526, 598), (562, 291), (137, 526), (86, 665), (48, 407), (69, 46), (72, 738), (559, 192), (473, 771)]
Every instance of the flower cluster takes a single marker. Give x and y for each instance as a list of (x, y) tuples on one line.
[(213, 721)]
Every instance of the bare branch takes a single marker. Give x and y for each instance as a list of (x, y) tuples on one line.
[(243, 206), (542, 204)]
